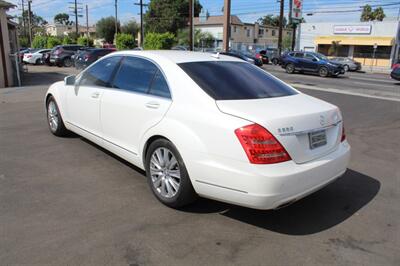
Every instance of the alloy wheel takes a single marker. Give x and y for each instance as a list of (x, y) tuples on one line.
[(165, 173), (52, 116)]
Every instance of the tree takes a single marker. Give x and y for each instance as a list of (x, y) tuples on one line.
[(53, 41), (367, 14), (38, 23), (105, 28), (201, 39), (271, 20), (169, 15), (62, 18), (125, 41), (85, 41), (287, 42), (379, 14), (67, 40), (157, 41), (131, 27)]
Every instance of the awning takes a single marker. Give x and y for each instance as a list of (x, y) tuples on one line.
[(355, 40)]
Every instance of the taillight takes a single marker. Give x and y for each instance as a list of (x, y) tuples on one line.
[(260, 145), (395, 66), (29, 56), (258, 56), (58, 51), (343, 134)]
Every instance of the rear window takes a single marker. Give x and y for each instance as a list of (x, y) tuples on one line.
[(225, 80)]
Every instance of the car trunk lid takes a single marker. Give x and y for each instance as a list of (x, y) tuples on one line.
[(307, 127)]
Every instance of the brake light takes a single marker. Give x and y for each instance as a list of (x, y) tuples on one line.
[(343, 134), (260, 145), (395, 66), (258, 56), (58, 51), (29, 56), (87, 56)]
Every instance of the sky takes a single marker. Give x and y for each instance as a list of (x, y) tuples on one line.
[(247, 10)]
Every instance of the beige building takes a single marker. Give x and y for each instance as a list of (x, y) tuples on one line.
[(8, 46), (241, 32), (62, 30)]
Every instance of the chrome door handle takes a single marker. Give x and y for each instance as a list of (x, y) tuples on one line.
[(152, 105), (95, 94)]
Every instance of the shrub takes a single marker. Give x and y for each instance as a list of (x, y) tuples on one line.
[(125, 41), (85, 41), (24, 42), (53, 41), (67, 40), (157, 41), (39, 42)]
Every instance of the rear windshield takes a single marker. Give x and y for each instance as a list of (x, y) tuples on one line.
[(226, 80)]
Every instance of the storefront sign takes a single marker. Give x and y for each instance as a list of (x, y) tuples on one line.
[(297, 9), (352, 29)]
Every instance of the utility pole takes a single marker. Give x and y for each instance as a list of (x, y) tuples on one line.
[(87, 26), (116, 18), (30, 22), (292, 24), (227, 25), (191, 42), (280, 27), (141, 22), (76, 18), (23, 17)]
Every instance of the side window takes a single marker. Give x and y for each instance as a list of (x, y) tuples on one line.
[(299, 55), (159, 86), (308, 56), (100, 73), (135, 74)]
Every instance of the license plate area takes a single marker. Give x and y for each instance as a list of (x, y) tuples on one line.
[(317, 139)]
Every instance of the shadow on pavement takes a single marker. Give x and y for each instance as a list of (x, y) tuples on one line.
[(319, 211), (315, 213), (42, 78)]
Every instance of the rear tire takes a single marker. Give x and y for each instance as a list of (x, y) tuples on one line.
[(167, 175), (346, 68), (54, 119), (275, 61), (323, 72), (290, 68), (38, 62), (67, 62)]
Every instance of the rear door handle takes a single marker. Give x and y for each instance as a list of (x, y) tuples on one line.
[(152, 105), (95, 94)]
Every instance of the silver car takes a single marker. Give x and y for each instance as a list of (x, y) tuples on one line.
[(347, 63)]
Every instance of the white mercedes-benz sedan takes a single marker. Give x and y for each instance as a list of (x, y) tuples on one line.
[(205, 125)]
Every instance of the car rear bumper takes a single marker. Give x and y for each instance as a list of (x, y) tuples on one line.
[(266, 186)]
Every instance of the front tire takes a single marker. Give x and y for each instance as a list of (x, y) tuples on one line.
[(167, 175), (323, 72), (275, 61), (54, 119), (67, 62), (346, 68)]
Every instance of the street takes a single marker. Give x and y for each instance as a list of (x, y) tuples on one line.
[(68, 201)]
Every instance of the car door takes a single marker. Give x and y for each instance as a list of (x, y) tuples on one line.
[(298, 61), (310, 62), (138, 99), (83, 102)]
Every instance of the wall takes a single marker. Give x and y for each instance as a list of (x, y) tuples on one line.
[(6, 47)]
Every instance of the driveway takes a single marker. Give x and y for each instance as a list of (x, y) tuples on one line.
[(68, 201)]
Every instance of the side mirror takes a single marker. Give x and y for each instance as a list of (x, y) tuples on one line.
[(315, 59), (69, 80)]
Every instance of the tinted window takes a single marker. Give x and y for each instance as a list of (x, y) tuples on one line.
[(298, 55), (135, 74), (159, 86), (309, 56), (100, 73), (235, 80)]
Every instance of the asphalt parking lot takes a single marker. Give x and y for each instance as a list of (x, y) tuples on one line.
[(67, 201)]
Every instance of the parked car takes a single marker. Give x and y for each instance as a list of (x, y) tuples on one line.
[(206, 125), (347, 63), (395, 74), (311, 62), (272, 54), (253, 59), (180, 48), (89, 56), (46, 58), (22, 52), (264, 56), (61, 54), (35, 57)]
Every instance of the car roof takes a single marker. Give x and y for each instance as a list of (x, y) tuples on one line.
[(178, 57)]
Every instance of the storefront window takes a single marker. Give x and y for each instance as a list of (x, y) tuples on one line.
[(364, 51), (327, 49)]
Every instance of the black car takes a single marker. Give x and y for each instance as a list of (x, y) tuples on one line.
[(86, 57), (311, 62), (254, 59), (395, 74), (61, 55)]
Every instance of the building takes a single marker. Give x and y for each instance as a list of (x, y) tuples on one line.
[(371, 43), (62, 30), (8, 46), (241, 32)]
